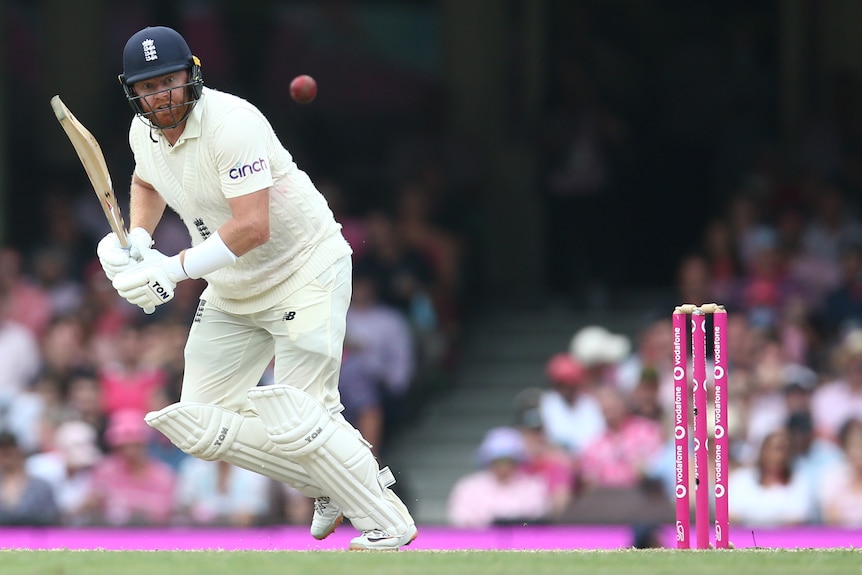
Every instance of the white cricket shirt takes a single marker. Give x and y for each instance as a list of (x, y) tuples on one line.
[(229, 149)]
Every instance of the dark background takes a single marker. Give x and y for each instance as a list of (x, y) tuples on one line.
[(683, 101)]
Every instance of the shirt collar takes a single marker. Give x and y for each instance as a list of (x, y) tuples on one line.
[(193, 122)]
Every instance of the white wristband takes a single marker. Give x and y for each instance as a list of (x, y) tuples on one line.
[(207, 257), (174, 267)]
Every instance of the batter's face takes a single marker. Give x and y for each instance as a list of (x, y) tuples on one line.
[(164, 98)]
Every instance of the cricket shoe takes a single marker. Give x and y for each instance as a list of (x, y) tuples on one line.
[(379, 540), (327, 516)]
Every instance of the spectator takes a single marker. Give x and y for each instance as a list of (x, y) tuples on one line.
[(833, 225), (501, 491), (694, 283), (128, 381), (619, 457), (28, 304), (84, 403), (842, 309), (835, 402), (129, 486), (440, 248), (403, 276), (813, 457), (103, 312), (650, 356), (382, 339), (840, 489), (361, 397), (218, 493), (51, 270), (722, 266), (781, 392), (24, 498), (601, 353), (20, 357), (769, 493), (570, 414), (553, 464), (68, 468), (65, 348), (646, 400)]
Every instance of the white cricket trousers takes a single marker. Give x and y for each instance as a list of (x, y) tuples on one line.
[(226, 354)]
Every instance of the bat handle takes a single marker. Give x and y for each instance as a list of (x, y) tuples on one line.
[(122, 237), (149, 310)]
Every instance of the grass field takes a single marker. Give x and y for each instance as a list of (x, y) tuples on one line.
[(736, 562)]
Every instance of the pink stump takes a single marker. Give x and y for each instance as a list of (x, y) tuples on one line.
[(680, 431), (701, 441), (722, 529)]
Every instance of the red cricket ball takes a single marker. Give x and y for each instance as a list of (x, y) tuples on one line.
[(303, 89)]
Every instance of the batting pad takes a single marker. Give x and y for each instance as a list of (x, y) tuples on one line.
[(334, 454), (214, 433)]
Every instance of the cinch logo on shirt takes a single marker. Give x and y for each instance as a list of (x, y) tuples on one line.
[(243, 170)]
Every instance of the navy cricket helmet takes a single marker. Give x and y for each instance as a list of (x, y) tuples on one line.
[(155, 51)]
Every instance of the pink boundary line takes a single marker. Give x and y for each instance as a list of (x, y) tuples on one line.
[(296, 538)]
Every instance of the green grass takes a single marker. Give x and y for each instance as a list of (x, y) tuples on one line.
[(735, 562)]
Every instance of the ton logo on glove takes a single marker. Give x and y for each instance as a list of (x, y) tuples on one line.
[(162, 292)]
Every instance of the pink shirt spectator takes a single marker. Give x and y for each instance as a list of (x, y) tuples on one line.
[(129, 486), (479, 499), (501, 491), (130, 390), (145, 496), (831, 405), (619, 456)]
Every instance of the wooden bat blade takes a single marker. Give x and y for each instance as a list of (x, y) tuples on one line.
[(93, 160)]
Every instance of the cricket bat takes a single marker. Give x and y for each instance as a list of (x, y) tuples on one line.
[(90, 154)]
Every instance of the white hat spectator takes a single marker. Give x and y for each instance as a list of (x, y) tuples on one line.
[(595, 345)]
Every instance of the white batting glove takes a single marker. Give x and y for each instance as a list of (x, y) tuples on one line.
[(115, 259), (151, 282)]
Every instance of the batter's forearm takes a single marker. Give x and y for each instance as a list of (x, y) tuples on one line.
[(146, 206)]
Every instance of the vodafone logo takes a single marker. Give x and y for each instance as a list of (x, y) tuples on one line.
[(696, 443), (681, 491), (720, 491), (719, 372), (719, 431), (679, 432), (678, 373)]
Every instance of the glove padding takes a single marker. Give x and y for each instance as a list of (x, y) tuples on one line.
[(151, 282), (114, 258)]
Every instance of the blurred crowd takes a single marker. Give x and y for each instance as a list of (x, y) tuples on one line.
[(81, 367), (786, 260)]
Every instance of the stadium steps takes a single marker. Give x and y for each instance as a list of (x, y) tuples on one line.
[(504, 351)]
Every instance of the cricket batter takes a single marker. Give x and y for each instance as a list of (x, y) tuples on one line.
[(278, 273)]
